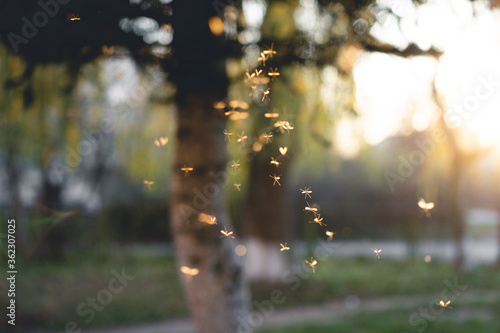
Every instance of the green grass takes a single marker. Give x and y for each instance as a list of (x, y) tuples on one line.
[(337, 278), (397, 321), (49, 294)]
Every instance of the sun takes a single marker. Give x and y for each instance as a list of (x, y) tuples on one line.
[(484, 128)]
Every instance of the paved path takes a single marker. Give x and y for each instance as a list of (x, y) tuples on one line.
[(329, 311)]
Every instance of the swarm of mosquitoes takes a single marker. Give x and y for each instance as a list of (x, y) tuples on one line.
[(236, 110)]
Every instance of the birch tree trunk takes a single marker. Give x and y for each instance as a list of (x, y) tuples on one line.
[(455, 212), (217, 296)]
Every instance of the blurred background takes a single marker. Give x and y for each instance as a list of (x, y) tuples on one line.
[(387, 102)]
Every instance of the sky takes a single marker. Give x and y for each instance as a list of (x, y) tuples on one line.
[(394, 94)]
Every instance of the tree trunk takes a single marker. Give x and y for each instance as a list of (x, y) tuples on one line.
[(265, 219), (217, 296), (455, 213), (459, 160)]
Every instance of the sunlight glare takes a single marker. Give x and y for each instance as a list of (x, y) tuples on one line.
[(346, 139), (469, 81)]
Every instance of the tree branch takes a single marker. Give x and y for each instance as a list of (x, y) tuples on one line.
[(412, 50)]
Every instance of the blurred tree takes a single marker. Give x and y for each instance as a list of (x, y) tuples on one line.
[(461, 159), (24, 106), (77, 32), (310, 35)]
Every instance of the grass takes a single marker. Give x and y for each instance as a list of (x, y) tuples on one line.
[(48, 295), (337, 278), (398, 321)]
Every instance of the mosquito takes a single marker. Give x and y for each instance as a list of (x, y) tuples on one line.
[(267, 137), (310, 209), (238, 187), (271, 115), (319, 220), (273, 73), (280, 124), (262, 58), (284, 247), (206, 218), (249, 76), (74, 17), (275, 162), (426, 206), (186, 170), (377, 253), (444, 305), (226, 233), (255, 78), (162, 141), (283, 150), (235, 165), (190, 272), (265, 94), (242, 137), (330, 234), (276, 179), (269, 51), (148, 184), (307, 191), (228, 135), (312, 264), (283, 126)]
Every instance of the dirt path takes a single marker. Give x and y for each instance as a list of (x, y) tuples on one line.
[(321, 312)]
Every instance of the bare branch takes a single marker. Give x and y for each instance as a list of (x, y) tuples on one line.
[(412, 50)]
